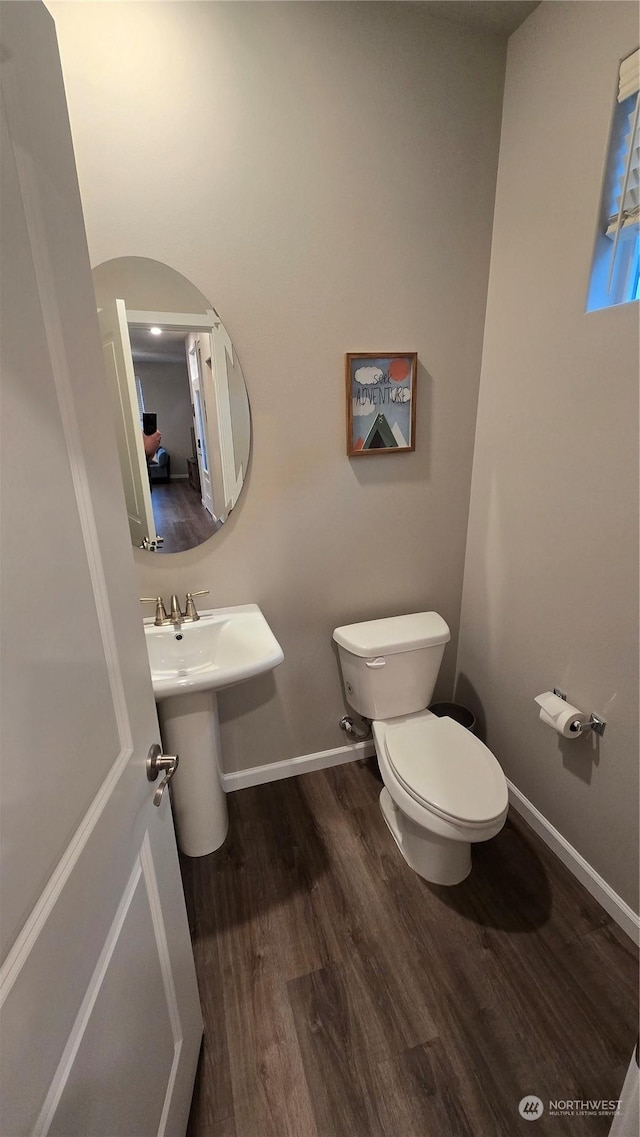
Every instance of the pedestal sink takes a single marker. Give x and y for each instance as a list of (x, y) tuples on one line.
[(189, 663)]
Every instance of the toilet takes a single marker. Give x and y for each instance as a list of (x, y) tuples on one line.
[(443, 788)]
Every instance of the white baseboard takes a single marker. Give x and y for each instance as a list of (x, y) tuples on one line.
[(305, 764), (617, 908)]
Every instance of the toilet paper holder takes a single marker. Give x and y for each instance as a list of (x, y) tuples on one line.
[(595, 723)]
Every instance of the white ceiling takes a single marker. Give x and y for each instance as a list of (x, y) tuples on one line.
[(167, 348), (499, 16)]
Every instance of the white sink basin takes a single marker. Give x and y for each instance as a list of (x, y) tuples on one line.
[(225, 646)]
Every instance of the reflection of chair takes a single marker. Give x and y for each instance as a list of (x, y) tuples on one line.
[(160, 466)]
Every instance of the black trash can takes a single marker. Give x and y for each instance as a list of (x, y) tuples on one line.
[(454, 711)]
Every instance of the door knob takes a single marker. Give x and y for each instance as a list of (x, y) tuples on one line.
[(159, 763)]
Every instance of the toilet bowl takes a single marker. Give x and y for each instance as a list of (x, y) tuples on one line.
[(443, 789)]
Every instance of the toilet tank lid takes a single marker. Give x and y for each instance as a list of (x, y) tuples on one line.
[(393, 634)]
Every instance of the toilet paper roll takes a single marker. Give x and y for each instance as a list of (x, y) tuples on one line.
[(560, 715)]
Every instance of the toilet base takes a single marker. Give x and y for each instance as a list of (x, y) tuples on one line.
[(437, 859)]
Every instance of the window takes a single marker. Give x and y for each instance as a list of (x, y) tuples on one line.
[(615, 273), (140, 394)]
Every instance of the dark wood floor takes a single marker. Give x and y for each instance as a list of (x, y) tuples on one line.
[(180, 516), (343, 996)]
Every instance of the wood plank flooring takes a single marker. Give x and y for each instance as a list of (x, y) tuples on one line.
[(343, 996), (180, 516)]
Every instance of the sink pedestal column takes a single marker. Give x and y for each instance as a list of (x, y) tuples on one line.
[(189, 726)]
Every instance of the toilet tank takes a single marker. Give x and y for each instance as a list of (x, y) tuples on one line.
[(390, 666)]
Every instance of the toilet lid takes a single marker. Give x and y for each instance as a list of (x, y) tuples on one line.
[(447, 769)]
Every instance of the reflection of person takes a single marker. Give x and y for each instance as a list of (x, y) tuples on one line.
[(151, 443)]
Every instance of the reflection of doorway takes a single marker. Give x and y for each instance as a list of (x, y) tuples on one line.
[(168, 368), (204, 398)]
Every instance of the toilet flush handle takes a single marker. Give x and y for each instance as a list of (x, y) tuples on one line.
[(375, 663)]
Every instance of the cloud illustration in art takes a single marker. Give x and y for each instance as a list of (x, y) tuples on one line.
[(368, 375), (365, 408)]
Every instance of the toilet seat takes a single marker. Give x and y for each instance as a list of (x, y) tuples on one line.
[(446, 769)]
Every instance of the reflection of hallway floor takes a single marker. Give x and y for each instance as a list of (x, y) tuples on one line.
[(180, 517)]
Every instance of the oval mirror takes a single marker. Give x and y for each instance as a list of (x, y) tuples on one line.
[(180, 403)]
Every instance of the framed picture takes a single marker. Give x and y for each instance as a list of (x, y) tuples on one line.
[(381, 402)]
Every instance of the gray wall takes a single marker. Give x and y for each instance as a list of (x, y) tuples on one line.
[(551, 580), (325, 174)]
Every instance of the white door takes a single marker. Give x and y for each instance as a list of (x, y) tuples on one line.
[(201, 344), (223, 356), (200, 420), (100, 1022), (121, 382)]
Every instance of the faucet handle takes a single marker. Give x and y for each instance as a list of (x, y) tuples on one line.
[(161, 612), (190, 612)]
